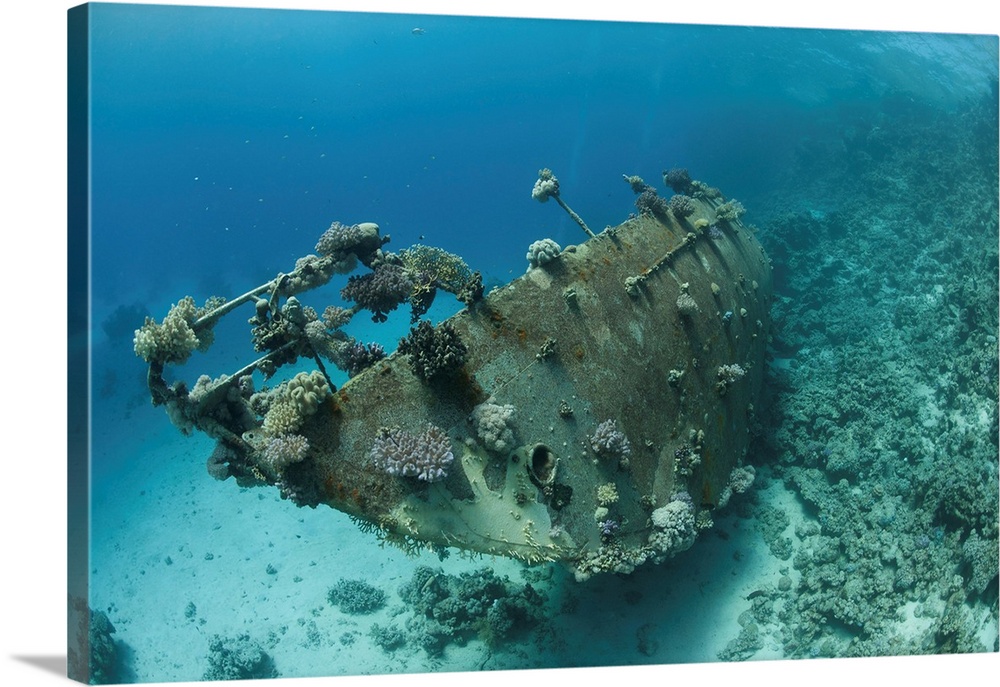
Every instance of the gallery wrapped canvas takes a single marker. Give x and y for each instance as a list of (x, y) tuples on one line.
[(407, 343)]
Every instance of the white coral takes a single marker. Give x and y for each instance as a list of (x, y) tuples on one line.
[(280, 452), (171, 341), (492, 424), (541, 252), (674, 528)]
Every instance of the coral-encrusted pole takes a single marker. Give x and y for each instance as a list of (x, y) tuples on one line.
[(547, 187)]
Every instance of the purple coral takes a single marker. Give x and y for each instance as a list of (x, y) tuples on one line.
[(682, 206), (362, 356), (426, 456), (282, 451), (608, 527), (609, 442), (435, 354), (380, 291), (650, 203), (678, 179)]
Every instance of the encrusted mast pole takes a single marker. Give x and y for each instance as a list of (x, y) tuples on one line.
[(547, 187)]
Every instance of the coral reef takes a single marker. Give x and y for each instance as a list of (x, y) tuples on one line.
[(387, 638), (426, 456), (238, 658), (479, 604), (97, 659), (356, 597), (885, 426)]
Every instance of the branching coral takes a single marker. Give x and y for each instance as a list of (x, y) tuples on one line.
[(282, 451), (681, 205), (238, 658), (435, 353), (380, 291), (730, 212), (173, 340), (426, 456), (359, 240), (679, 180), (361, 356), (649, 202), (459, 607), (356, 597), (608, 442)]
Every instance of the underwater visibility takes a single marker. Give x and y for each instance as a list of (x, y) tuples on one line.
[(432, 344)]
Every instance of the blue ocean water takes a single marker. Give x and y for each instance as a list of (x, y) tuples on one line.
[(224, 142)]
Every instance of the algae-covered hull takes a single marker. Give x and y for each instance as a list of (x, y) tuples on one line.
[(595, 410)]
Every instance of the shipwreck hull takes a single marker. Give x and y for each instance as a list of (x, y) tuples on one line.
[(570, 347), (619, 377)]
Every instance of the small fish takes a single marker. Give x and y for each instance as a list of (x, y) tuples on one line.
[(417, 31)]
